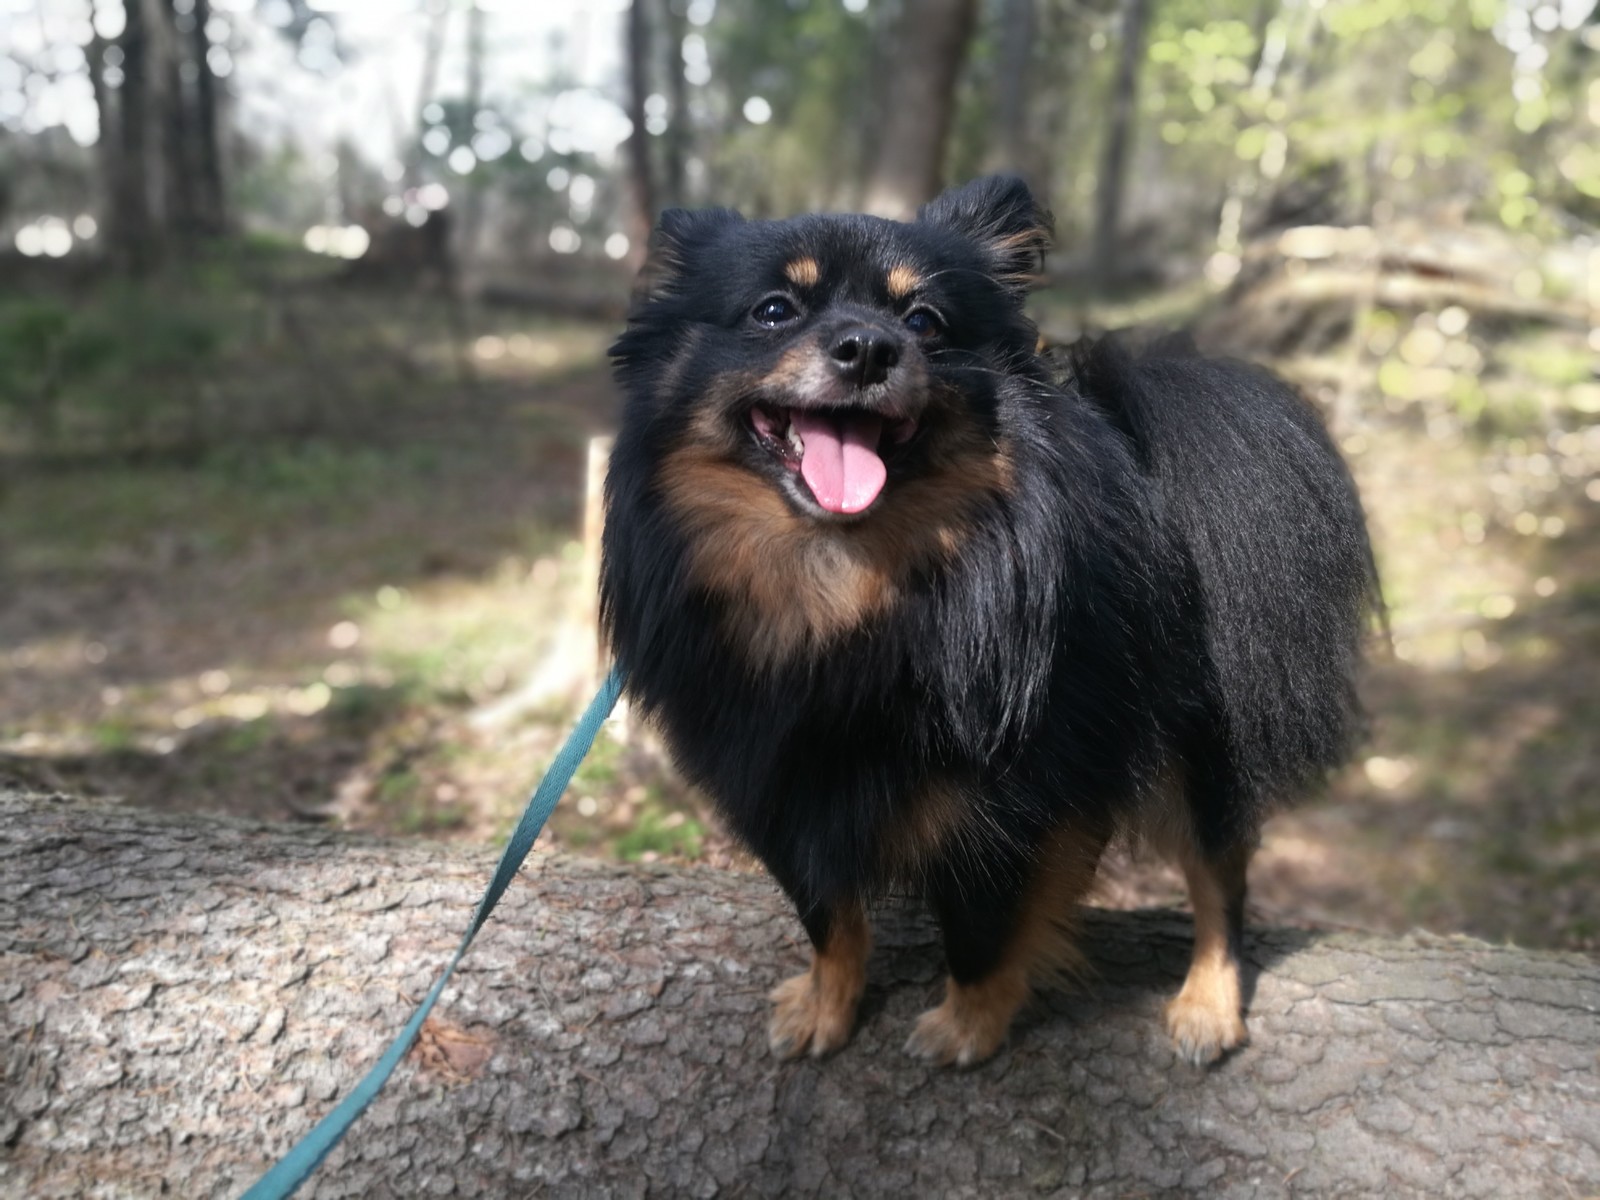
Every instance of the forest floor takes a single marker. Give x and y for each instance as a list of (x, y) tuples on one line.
[(377, 617)]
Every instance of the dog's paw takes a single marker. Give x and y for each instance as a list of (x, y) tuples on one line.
[(956, 1035), (805, 1018), (1204, 1030)]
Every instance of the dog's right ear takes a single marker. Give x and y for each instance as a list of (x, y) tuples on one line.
[(1001, 217), (680, 234)]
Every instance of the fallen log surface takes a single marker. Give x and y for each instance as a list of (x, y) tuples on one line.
[(181, 997)]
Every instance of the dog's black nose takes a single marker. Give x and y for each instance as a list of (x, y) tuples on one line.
[(863, 355)]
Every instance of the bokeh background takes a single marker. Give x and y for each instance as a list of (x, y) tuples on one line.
[(303, 311)]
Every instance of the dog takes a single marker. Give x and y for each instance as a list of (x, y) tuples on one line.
[(919, 611)]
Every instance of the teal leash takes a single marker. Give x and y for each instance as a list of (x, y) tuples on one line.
[(307, 1154)]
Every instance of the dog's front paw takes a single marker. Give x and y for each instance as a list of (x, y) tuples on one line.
[(958, 1034), (806, 1015), (1204, 1028)]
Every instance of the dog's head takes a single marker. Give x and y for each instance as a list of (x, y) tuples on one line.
[(820, 401)]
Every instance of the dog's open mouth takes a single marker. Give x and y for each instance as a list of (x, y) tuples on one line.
[(838, 452)]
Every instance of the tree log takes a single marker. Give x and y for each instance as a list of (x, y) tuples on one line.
[(183, 996)]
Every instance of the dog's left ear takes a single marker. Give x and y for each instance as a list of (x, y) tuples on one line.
[(1000, 214)]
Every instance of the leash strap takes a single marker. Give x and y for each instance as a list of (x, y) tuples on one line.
[(307, 1154)]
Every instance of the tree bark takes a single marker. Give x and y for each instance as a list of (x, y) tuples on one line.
[(213, 198), (641, 173), (181, 997), (179, 172), (1110, 188), (130, 228), (929, 47), (108, 146), (1013, 149), (675, 141), (470, 226)]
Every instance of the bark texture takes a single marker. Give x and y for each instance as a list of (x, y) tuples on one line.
[(919, 102), (1115, 155), (182, 997)]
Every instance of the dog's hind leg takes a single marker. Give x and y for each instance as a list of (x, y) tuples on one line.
[(1205, 1018), (816, 1011)]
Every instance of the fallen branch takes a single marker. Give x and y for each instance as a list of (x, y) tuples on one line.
[(182, 997)]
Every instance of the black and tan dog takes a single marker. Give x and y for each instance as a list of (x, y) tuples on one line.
[(916, 611)]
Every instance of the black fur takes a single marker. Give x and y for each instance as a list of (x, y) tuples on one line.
[(1177, 578)]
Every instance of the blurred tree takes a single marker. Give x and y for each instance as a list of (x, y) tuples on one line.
[(471, 221), (427, 85), (1011, 149), (159, 155), (930, 45), (641, 173), (211, 196), (1119, 135), (785, 102), (678, 134), (132, 245), (173, 116)]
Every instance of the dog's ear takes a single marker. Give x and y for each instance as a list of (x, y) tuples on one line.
[(680, 234), (1001, 216)]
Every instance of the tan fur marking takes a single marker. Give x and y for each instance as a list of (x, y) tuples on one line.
[(790, 583), (1044, 944), (903, 280), (1024, 239), (1204, 1018), (924, 826), (972, 1022), (1025, 242), (786, 585), (803, 272), (817, 1010), (797, 368)]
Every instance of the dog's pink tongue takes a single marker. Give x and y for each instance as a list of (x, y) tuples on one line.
[(840, 462)]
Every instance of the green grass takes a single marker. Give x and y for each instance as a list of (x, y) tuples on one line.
[(115, 734), (410, 807), (660, 832), (1550, 358), (221, 504)]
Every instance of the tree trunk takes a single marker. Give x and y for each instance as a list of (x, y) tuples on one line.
[(130, 226), (179, 173), (675, 141), (427, 83), (1109, 189), (107, 147), (641, 176), (1012, 148), (183, 996), (930, 43), (209, 187)]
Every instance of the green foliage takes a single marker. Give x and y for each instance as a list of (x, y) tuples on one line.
[(33, 335), (1411, 104), (660, 832), (813, 63), (411, 807), (113, 368)]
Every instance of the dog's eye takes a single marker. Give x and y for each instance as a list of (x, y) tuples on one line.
[(774, 310), (923, 322)]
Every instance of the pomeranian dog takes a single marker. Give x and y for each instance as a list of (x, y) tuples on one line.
[(919, 610)]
